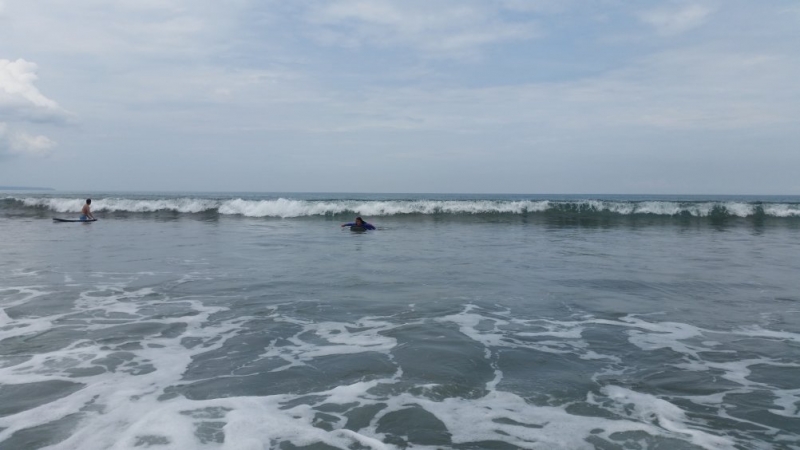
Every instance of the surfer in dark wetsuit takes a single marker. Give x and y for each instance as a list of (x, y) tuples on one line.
[(359, 223), (86, 213)]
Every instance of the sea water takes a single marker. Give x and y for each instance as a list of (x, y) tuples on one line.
[(255, 321)]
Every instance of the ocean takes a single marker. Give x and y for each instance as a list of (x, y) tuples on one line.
[(255, 321)]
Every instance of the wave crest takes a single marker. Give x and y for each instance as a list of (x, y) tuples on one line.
[(288, 208)]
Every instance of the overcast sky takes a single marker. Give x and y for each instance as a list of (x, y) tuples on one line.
[(489, 96)]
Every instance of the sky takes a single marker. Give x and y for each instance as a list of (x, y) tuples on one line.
[(450, 96)]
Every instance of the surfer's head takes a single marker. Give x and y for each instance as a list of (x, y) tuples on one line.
[(359, 221), (88, 201)]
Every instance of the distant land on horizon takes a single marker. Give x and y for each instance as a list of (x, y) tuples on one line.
[(25, 188)]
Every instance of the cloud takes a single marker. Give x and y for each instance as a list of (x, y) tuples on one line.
[(19, 97), (538, 6), (670, 22), (20, 143), (450, 29), (21, 102), (698, 88), (118, 32)]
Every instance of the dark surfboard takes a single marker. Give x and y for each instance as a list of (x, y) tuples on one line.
[(358, 229), (56, 219)]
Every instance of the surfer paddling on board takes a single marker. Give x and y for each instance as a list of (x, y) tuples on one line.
[(359, 223), (86, 213)]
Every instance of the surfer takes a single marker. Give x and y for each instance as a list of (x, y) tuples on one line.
[(86, 213), (359, 223)]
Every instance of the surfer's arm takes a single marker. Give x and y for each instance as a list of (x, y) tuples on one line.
[(87, 212), (348, 224)]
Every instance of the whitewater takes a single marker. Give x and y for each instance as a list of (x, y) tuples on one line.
[(302, 205)]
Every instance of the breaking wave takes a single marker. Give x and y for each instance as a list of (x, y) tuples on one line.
[(288, 208)]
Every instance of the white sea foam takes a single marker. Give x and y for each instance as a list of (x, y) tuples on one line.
[(339, 339), (566, 335), (119, 397), (782, 210), (299, 208), (787, 402), (758, 332), (740, 209), (652, 336), (19, 295), (622, 208), (650, 409), (20, 326), (659, 208), (55, 204), (122, 408), (280, 208), (286, 208), (649, 336), (181, 205)]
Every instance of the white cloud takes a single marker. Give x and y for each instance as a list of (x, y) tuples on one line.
[(19, 97), (691, 89), (15, 142), (670, 22), (21, 101), (538, 6), (118, 31), (445, 28), (26, 144)]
